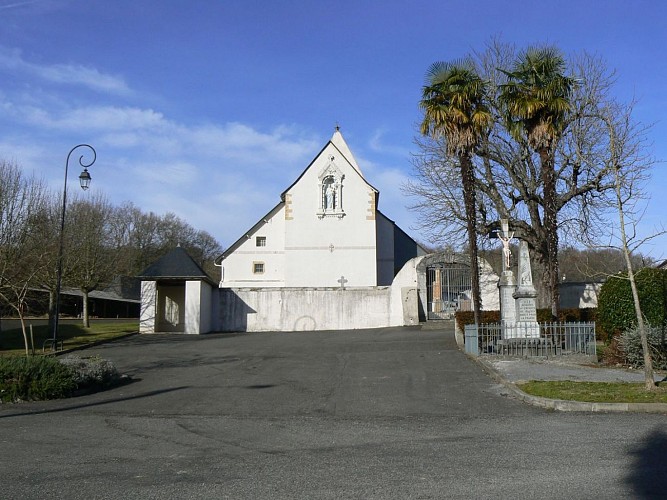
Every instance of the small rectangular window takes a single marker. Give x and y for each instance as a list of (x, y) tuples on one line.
[(260, 241), (258, 267)]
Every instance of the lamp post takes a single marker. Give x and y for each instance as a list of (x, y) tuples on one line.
[(84, 181)]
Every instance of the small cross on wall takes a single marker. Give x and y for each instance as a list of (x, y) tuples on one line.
[(342, 281)]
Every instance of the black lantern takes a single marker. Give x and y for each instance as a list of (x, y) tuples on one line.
[(84, 179)]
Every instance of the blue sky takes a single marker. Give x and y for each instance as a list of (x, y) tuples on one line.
[(210, 109)]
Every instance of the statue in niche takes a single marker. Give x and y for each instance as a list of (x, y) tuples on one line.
[(329, 195)]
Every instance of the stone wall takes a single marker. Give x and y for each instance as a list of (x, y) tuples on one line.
[(298, 309)]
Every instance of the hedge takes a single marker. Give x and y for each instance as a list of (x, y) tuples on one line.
[(543, 316), (616, 310)]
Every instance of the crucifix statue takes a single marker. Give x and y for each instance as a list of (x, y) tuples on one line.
[(505, 236)]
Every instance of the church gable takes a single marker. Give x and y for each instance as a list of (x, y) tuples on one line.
[(332, 186), (325, 231)]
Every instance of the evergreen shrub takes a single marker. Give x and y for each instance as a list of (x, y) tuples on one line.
[(616, 310), (34, 378), (630, 345), (44, 377), (543, 316)]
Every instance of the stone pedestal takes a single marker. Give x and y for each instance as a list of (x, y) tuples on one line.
[(507, 287), (524, 296)]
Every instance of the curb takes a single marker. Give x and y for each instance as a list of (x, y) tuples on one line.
[(91, 344), (565, 405)]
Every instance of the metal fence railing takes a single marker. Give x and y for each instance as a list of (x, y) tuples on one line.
[(530, 339)]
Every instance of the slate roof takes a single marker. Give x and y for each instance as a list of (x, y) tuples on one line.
[(177, 264)]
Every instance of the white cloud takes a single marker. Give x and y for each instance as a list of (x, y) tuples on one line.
[(378, 144), (70, 74)]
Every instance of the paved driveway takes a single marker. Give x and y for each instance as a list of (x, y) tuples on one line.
[(391, 413)]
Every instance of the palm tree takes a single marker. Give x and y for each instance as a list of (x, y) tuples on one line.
[(454, 104), (536, 101)]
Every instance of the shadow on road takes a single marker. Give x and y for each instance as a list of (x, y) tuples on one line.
[(648, 475), (91, 404)]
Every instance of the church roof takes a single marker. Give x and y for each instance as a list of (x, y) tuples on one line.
[(339, 143), (177, 264)]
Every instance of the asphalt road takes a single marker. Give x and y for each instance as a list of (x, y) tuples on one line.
[(376, 414)]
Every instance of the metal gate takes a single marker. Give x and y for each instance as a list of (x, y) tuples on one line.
[(449, 289)]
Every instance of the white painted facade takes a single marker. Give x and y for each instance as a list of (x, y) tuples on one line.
[(326, 231)]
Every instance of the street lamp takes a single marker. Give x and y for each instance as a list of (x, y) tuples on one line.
[(84, 181)]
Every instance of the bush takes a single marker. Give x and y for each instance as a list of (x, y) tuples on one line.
[(40, 378), (92, 372), (543, 316), (616, 310), (35, 378), (629, 343)]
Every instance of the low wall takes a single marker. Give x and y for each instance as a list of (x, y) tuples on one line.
[(298, 309)]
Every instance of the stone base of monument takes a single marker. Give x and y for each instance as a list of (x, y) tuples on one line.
[(521, 330), (525, 346), (507, 287)]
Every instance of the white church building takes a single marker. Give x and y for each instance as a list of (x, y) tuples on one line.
[(326, 231), (324, 258)]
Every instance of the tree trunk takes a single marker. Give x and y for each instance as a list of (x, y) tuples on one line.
[(52, 309), (469, 200), (649, 379), (84, 313), (550, 227)]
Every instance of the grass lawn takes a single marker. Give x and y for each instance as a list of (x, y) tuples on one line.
[(72, 335), (595, 392)]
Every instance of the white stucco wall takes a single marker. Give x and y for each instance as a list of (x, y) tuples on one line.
[(404, 306), (198, 307), (192, 307), (298, 309), (171, 307), (319, 250), (147, 315), (237, 268)]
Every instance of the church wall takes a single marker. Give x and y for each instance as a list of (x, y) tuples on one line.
[(238, 269), (298, 309), (385, 250), (321, 249)]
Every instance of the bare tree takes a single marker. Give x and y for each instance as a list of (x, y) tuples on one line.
[(21, 255), (628, 161), (90, 248)]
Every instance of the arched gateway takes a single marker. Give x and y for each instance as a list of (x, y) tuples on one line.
[(444, 282)]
